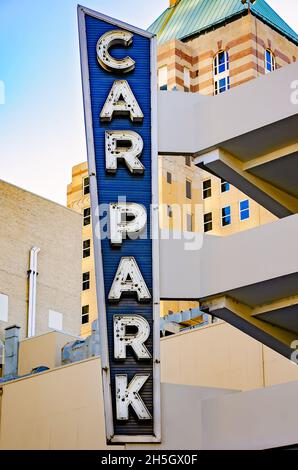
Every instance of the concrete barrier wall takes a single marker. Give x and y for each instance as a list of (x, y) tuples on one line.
[(220, 355)]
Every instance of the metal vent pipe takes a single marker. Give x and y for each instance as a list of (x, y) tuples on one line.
[(31, 326)]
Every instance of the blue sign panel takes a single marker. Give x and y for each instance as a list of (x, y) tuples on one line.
[(119, 85)]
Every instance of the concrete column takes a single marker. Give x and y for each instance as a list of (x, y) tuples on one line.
[(12, 334)]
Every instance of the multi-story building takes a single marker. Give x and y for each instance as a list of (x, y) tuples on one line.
[(40, 272), (210, 46), (208, 49), (180, 209), (78, 199)]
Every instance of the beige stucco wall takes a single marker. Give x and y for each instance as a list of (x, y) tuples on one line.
[(219, 355), (43, 350), (63, 408), (27, 220), (60, 409)]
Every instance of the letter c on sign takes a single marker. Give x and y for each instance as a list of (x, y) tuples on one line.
[(114, 38)]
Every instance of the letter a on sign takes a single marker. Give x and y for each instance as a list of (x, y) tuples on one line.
[(119, 75), (121, 101)]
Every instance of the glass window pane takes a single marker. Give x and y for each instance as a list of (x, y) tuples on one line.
[(189, 225), (269, 61), (225, 186), (86, 248), (86, 244), (226, 221), (85, 314), (268, 55), (244, 205), (226, 211), (163, 78), (188, 189), (226, 216), (186, 77), (222, 68), (222, 85), (188, 161), (208, 217), (221, 57), (208, 227), (207, 192), (86, 185), (244, 215), (208, 222)]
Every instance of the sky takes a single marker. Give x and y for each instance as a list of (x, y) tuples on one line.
[(41, 118)]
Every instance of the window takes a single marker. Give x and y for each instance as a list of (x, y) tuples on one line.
[(3, 307), (188, 189), (224, 186), (170, 211), (163, 78), (207, 189), (169, 178), (189, 223), (270, 63), (55, 320), (187, 78), (86, 281), (244, 210), (208, 222), (87, 216), (221, 72), (188, 161), (86, 185), (86, 248), (226, 216), (85, 314)]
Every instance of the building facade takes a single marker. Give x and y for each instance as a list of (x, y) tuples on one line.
[(78, 199), (206, 50), (210, 50), (28, 224)]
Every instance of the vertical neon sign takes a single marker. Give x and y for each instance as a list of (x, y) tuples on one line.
[(119, 74)]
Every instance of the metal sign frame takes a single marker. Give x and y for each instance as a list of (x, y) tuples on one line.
[(99, 272)]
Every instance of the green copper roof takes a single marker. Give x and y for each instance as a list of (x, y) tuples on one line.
[(189, 17)]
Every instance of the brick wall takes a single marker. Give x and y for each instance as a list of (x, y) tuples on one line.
[(27, 220), (245, 39)]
